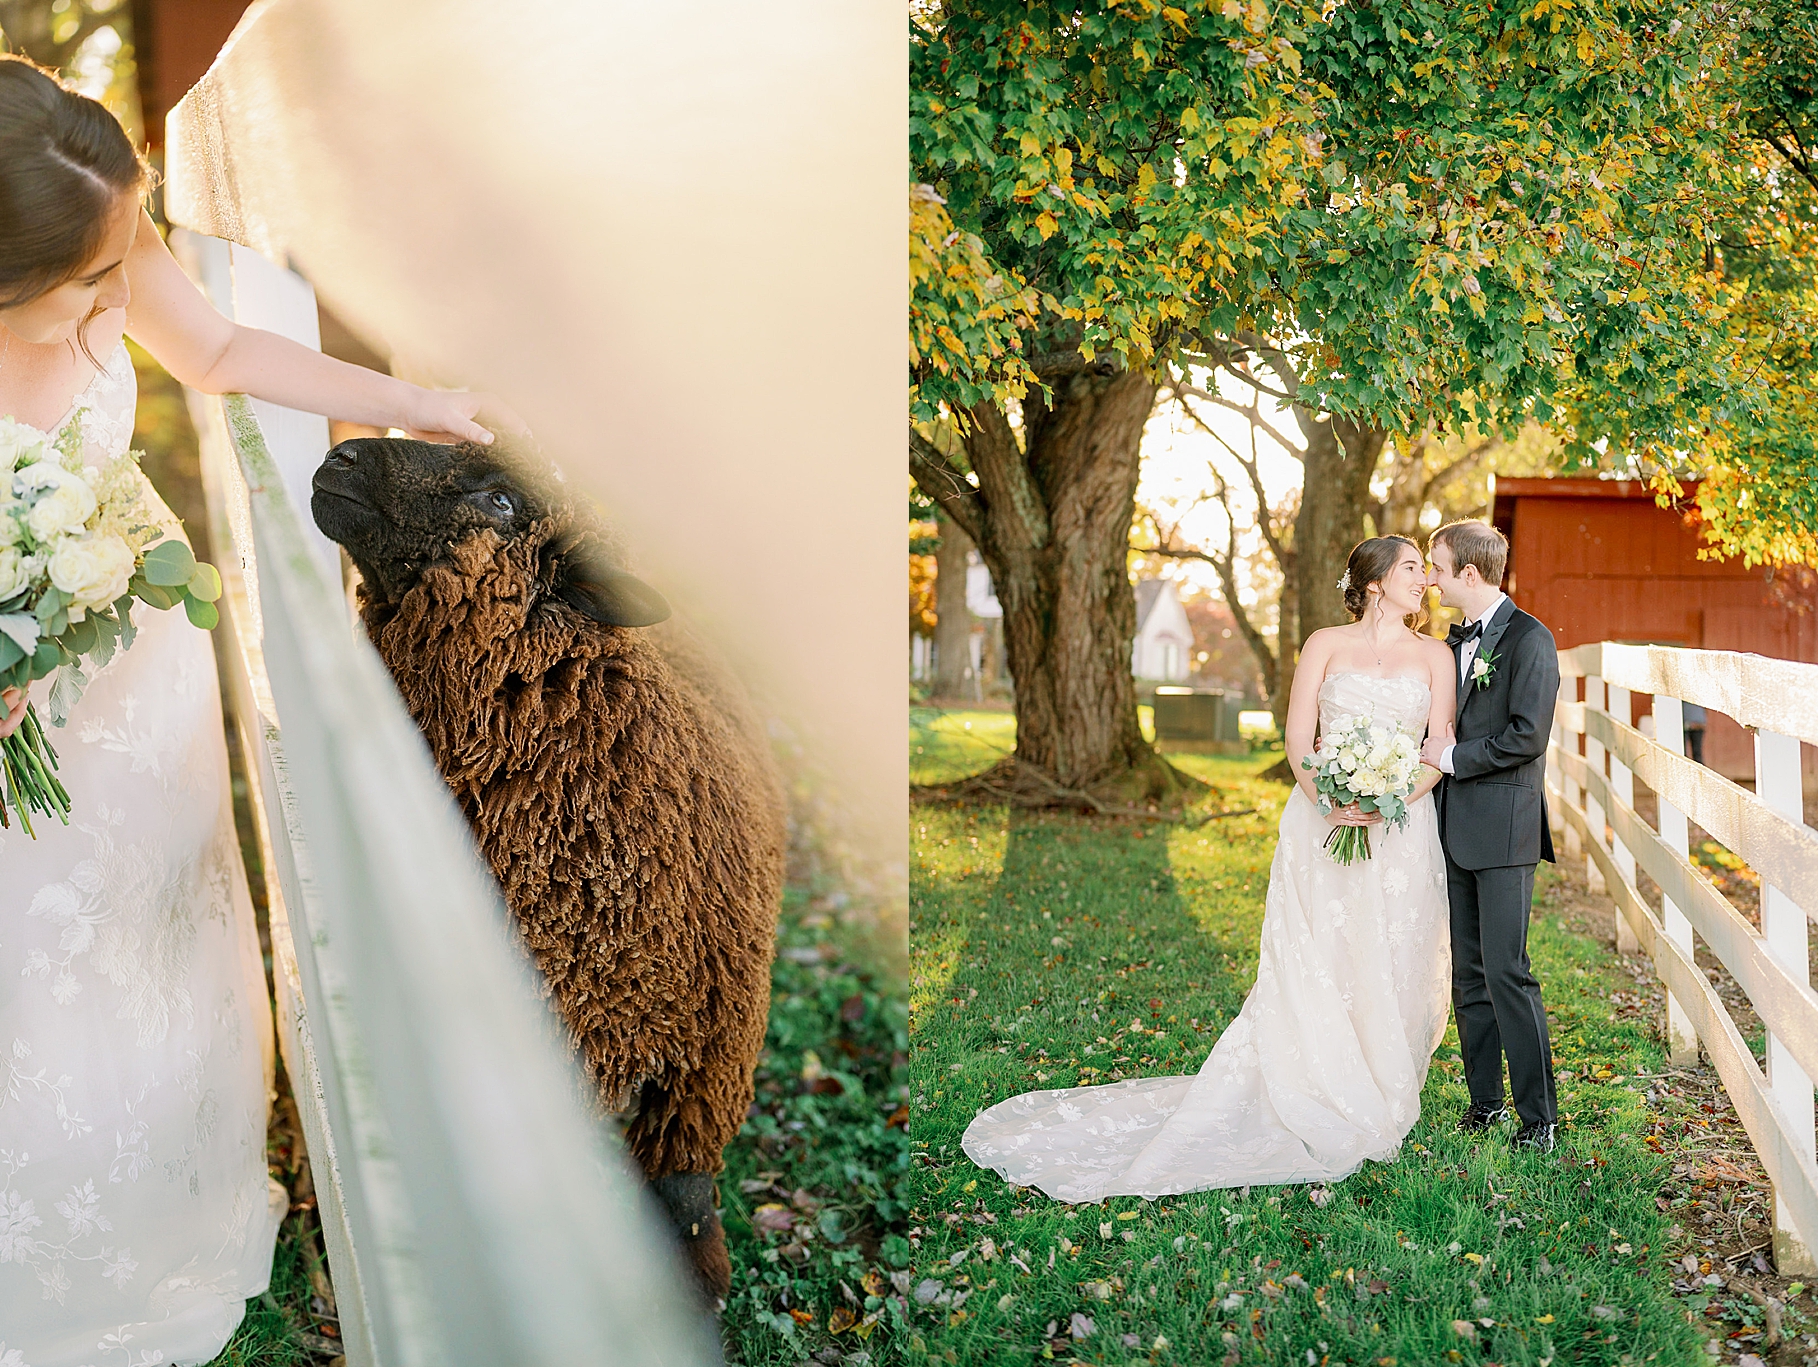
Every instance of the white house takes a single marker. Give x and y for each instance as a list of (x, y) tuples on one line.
[(1163, 651)]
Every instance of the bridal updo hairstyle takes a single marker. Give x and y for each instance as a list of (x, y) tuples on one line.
[(64, 164), (1370, 561)]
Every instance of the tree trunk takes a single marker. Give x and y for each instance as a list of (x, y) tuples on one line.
[(953, 623), (1051, 518), (1340, 458)]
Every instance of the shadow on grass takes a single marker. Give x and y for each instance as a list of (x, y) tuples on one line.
[(1052, 951)]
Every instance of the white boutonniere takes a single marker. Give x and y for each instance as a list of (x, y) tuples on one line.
[(1483, 669)]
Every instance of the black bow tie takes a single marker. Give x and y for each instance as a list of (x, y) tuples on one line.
[(1457, 635)]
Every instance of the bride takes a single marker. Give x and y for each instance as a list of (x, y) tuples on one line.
[(1322, 1069), (136, 1214)]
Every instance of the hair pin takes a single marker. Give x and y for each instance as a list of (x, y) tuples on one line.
[(1344, 585)]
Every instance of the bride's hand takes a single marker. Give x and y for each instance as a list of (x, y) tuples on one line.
[(13, 700), (1353, 816), (447, 415)]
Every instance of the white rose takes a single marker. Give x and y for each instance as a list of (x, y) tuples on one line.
[(21, 445), (93, 571), (16, 570), (61, 502)]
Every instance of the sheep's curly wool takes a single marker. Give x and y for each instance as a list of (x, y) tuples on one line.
[(620, 786)]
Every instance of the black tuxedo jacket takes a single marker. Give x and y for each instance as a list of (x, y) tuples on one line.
[(1492, 807)]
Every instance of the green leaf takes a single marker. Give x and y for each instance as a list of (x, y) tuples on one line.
[(169, 564), (49, 606), (205, 583), (205, 615), (80, 637), (123, 605), (10, 654), (161, 598)]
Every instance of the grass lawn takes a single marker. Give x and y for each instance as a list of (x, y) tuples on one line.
[(1053, 950)]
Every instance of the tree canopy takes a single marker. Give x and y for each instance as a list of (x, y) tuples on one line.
[(1478, 212)]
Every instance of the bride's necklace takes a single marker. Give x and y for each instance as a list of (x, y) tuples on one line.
[(1376, 646)]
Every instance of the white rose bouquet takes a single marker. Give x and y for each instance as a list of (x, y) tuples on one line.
[(1374, 767), (76, 547)]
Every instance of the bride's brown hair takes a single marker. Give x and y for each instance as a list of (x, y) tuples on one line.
[(1370, 561), (64, 164)]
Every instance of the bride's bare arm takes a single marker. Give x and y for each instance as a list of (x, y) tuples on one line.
[(1442, 688), (1303, 709), (206, 351)]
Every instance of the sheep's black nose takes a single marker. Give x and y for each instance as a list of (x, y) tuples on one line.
[(345, 456)]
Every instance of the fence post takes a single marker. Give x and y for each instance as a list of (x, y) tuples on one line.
[(1568, 744), (1783, 926), (1622, 787), (1669, 732), (1593, 758)]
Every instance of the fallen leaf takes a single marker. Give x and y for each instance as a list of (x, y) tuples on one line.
[(1081, 1326), (773, 1218), (1464, 1329), (841, 1320), (802, 1317)]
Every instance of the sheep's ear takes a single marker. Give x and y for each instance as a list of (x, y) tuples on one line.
[(608, 595)]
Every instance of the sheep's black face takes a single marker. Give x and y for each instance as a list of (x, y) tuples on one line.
[(398, 505)]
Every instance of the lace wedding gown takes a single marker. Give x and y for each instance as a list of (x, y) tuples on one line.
[(1322, 1069), (136, 1215)]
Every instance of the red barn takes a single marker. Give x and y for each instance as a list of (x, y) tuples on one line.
[(1599, 560)]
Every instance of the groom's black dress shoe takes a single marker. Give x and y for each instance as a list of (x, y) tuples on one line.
[(1479, 1117), (1538, 1138)]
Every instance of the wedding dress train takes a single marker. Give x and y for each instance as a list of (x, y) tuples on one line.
[(136, 1214), (1322, 1069)]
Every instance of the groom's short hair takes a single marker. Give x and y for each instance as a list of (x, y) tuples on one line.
[(1474, 543)]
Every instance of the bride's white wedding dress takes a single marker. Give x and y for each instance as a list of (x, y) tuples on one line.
[(136, 1214), (1322, 1069)]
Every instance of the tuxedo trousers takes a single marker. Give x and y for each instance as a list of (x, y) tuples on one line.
[(1495, 995)]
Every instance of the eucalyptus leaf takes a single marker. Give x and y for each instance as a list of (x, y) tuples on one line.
[(49, 605), (10, 655), (81, 636), (205, 583), (66, 691), (21, 628), (169, 564), (201, 614), (159, 597)]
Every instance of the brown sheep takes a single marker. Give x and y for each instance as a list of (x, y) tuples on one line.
[(616, 780)]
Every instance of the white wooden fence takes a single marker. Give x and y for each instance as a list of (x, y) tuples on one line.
[(472, 1213), (1593, 797)]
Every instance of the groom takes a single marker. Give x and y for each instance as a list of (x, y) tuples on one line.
[(1493, 827)]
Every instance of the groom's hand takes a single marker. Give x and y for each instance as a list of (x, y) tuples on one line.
[(1431, 749)]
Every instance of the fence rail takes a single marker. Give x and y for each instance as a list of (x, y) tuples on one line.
[(1593, 797)]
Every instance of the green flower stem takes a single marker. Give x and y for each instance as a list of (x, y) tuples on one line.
[(29, 759)]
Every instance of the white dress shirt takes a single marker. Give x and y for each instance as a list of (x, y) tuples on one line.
[(1466, 653)]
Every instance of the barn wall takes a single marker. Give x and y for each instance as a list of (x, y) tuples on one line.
[(1599, 560)]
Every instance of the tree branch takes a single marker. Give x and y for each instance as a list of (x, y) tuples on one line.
[(1252, 411), (1265, 522), (941, 481), (1059, 365)]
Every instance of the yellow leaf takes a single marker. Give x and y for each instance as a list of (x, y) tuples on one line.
[(1543, 1319), (1030, 144), (1259, 16), (1232, 10), (1176, 16), (1045, 224), (1639, 296), (1189, 120), (1586, 46), (1338, 257), (1145, 178)]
